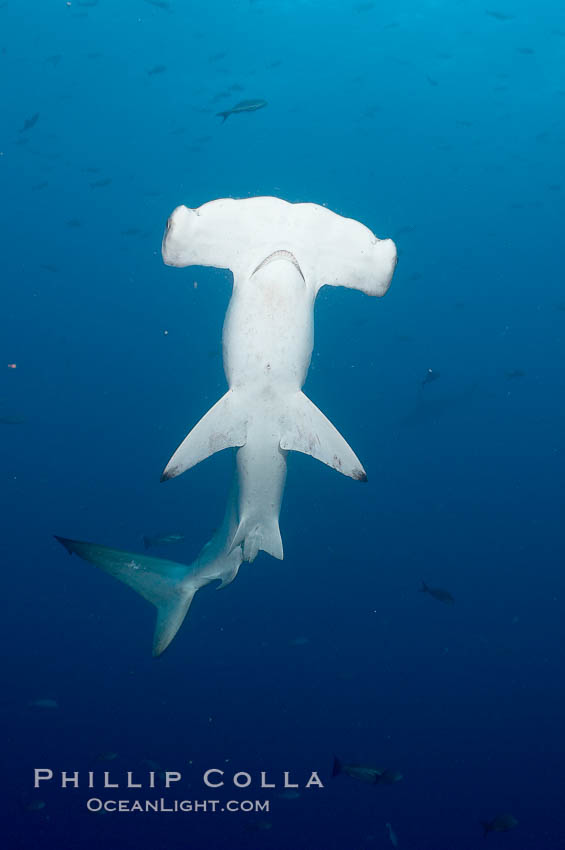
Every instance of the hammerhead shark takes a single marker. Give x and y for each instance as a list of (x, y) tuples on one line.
[(280, 255)]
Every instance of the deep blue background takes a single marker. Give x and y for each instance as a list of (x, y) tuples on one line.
[(432, 122)]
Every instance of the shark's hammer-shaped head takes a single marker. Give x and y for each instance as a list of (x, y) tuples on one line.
[(242, 234)]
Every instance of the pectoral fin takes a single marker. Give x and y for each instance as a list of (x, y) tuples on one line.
[(223, 427), (310, 432)]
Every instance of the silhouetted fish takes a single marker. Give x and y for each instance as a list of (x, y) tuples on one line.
[(30, 122), (500, 16), (438, 593), (161, 4), (98, 184), (157, 69), (514, 373), (430, 376), (35, 806), (406, 228), (43, 702), (243, 106), (371, 775), (501, 823), (161, 539)]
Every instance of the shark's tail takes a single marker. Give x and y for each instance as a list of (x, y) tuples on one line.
[(224, 115), (163, 583)]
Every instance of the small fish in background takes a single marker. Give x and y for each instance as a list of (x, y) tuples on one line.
[(160, 4), (54, 60), (299, 641), (514, 373), (501, 823), (30, 122), (43, 702), (259, 826), (405, 228), (35, 806), (363, 7), (99, 184), (289, 794), (371, 775), (156, 69), (243, 106), (217, 56), (430, 376), (39, 186), (437, 593), (73, 222), (392, 835), (431, 81), (162, 539), (48, 267), (109, 756), (499, 16)]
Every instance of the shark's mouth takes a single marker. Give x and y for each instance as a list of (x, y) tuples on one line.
[(280, 255)]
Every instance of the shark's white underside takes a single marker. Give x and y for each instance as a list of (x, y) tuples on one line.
[(280, 255)]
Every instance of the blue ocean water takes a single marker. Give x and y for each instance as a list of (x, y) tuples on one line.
[(437, 123)]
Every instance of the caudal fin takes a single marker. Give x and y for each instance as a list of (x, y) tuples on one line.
[(223, 427), (224, 115), (486, 828), (163, 583), (424, 588), (310, 432)]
